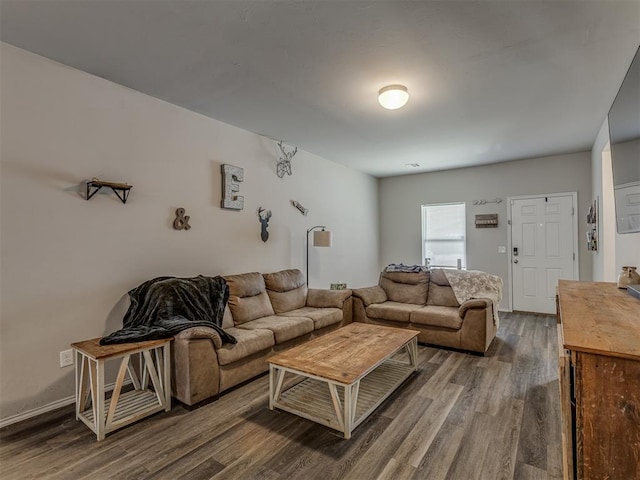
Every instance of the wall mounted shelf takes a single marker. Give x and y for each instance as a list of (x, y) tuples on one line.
[(120, 189)]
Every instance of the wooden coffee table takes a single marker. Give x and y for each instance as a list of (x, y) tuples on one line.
[(347, 374)]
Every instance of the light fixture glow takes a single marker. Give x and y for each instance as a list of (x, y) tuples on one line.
[(392, 97)]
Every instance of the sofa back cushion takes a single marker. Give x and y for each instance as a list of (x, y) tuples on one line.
[(248, 298), (227, 319), (406, 287), (440, 292), (287, 290)]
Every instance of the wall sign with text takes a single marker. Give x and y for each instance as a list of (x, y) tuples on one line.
[(231, 179), (488, 220)]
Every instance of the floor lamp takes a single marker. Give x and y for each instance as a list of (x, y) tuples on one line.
[(321, 238)]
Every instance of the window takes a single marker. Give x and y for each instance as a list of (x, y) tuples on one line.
[(444, 235)]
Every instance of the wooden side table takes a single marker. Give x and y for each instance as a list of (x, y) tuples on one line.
[(124, 408)]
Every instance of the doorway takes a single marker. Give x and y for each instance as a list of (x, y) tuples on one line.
[(543, 248)]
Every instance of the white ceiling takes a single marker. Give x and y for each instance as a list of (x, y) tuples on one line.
[(489, 80)]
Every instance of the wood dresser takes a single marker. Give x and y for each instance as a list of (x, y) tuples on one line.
[(599, 363)]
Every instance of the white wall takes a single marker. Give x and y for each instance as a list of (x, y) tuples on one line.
[(604, 260), (67, 263), (616, 249), (401, 198)]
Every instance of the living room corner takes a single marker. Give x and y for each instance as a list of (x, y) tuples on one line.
[(279, 240), (68, 262)]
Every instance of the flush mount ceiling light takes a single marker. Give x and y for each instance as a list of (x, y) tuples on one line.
[(393, 96)]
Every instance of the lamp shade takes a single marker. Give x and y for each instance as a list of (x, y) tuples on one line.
[(322, 238), (393, 96)]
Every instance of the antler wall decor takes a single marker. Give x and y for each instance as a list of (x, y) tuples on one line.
[(264, 223), (284, 162), (302, 210)]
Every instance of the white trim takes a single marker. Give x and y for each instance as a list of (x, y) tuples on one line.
[(576, 263), (63, 402)]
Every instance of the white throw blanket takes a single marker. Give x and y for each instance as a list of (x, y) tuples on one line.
[(468, 284)]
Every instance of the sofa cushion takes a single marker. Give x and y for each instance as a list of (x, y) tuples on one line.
[(436, 316), (227, 318), (442, 296), (322, 317), (406, 287), (245, 284), (245, 309), (248, 298), (369, 295), (249, 342), (440, 291), (438, 277), (284, 280), (287, 290), (283, 328), (287, 301), (396, 311), (327, 298)]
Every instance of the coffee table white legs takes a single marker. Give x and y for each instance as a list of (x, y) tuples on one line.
[(334, 404), (337, 406), (412, 351), (349, 409)]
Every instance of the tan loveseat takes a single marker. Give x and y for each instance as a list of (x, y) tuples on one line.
[(266, 313), (424, 301)]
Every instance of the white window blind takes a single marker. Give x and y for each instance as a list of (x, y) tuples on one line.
[(444, 235)]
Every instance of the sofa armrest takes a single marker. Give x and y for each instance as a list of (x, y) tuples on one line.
[(478, 329), (322, 298), (370, 295), (195, 370), (200, 332), (478, 303)]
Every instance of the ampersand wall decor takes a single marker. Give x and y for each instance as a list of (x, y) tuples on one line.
[(182, 221)]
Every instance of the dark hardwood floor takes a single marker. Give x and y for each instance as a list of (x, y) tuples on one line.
[(461, 417)]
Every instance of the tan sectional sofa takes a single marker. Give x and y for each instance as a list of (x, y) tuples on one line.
[(266, 313), (425, 301)]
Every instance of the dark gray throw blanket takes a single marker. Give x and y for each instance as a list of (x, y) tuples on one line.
[(164, 306)]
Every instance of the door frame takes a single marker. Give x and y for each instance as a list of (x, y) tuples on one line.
[(576, 263)]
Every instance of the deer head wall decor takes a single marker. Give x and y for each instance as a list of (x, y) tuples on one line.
[(284, 163), (264, 223)]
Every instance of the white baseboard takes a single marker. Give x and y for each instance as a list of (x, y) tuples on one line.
[(63, 402)]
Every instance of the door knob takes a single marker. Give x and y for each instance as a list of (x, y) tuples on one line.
[(515, 261)]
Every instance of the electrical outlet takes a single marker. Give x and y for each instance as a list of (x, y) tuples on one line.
[(66, 358), (502, 249)]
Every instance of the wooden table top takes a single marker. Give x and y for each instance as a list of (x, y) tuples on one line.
[(93, 349), (346, 354), (598, 317)]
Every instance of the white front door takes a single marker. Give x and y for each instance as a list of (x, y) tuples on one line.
[(543, 250)]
